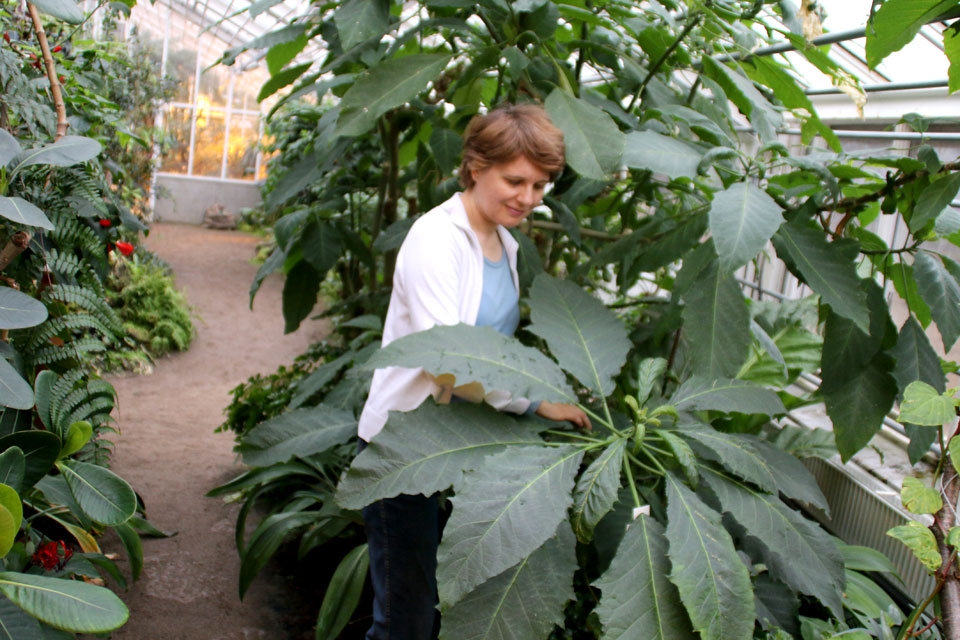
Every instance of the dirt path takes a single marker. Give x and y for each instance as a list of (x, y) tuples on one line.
[(167, 450)]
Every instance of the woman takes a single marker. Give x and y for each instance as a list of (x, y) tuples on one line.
[(457, 264)]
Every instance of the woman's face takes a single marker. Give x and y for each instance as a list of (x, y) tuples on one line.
[(505, 193)]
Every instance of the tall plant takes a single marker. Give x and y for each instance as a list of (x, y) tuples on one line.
[(659, 176)]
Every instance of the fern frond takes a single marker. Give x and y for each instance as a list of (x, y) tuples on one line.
[(71, 321), (86, 299), (71, 350), (90, 411)]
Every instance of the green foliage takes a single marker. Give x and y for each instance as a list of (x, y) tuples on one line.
[(151, 309)]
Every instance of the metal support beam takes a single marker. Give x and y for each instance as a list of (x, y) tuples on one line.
[(890, 86)]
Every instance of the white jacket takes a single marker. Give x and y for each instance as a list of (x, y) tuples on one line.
[(438, 280)]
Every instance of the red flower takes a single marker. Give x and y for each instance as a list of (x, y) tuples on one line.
[(57, 48), (6, 36), (125, 248), (105, 223), (49, 557), (109, 247)]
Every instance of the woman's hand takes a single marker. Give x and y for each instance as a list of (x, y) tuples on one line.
[(559, 412)]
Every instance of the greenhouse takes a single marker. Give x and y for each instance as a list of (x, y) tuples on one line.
[(530, 320)]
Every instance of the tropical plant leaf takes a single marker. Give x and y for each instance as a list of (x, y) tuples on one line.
[(566, 217), (78, 434), (858, 404), (13, 464), (300, 432), (924, 406), (67, 151), (40, 450), (9, 528), (65, 604), (428, 450), (661, 154), (702, 394), (133, 546), (743, 218), (66, 10), (343, 593), (478, 354), (742, 92), (281, 54), (360, 20), (502, 512), (827, 268), (299, 294), (102, 494), (716, 322), (796, 551), (321, 246), (896, 22), (793, 478), (387, 85), (17, 624), (585, 337), (15, 392), (22, 212), (714, 584), (859, 558), (648, 373), (18, 310), (9, 147), (737, 453), (920, 541), (593, 141), (596, 490), (281, 79), (919, 498), (524, 602), (638, 602), (265, 541), (933, 200), (941, 292)]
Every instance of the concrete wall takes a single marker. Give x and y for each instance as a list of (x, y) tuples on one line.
[(185, 198)]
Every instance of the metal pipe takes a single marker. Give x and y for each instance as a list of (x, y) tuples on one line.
[(890, 86), (877, 135)]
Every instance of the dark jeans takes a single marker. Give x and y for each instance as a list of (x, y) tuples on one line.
[(403, 534)]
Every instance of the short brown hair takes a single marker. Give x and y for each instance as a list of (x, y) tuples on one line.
[(509, 131)]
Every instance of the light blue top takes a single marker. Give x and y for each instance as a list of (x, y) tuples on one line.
[(499, 303)]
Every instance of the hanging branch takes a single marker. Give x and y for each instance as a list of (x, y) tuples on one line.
[(694, 20), (58, 103)]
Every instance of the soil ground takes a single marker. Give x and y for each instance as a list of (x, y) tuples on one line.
[(168, 451)]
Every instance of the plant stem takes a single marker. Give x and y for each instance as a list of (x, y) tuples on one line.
[(58, 103), (691, 23), (633, 487), (659, 471), (577, 436)]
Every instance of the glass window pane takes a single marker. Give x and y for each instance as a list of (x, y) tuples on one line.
[(208, 146), (246, 87), (214, 82), (177, 155), (242, 147)]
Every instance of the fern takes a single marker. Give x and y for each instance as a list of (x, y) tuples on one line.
[(73, 321), (74, 350), (87, 300), (66, 268), (69, 234)]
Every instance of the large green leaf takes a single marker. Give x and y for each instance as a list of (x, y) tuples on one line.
[(478, 354), (793, 478), (102, 494), (9, 147), (14, 390), (917, 360), (502, 512), (735, 452), (524, 602), (66, 10), (594, 143), (385, 86), (797, 551), (827, 267), (321, 245), (343, 593), (951, 47), (661, 154), (265, 541), (743, 218), (742, 92), (924, 405), (920, 540), (40, 450), (13, 464), (846, 348), (9, 528), (934, 199), (359, 20), (281, 54), (858, 404), (597, 490), (17, 624), (65, 604), (585, 337), (301, 432), (67, 151), (716, 322), (281, 79), (702, 394), (941, 292), (23, 212), (638, 602), (713, 582), (428, 450), (896, 23), (299, 294), (18, 310)]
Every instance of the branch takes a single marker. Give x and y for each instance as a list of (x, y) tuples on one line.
[(14, 247), (852, 204), (62, 123), (663, 58), (590, 233)]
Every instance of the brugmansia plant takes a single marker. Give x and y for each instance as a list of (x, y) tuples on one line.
[(719, 551)]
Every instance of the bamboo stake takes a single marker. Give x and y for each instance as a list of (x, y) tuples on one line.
[(58, 103)]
